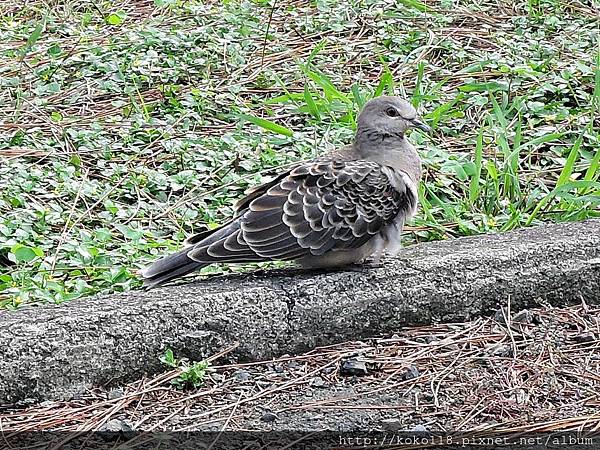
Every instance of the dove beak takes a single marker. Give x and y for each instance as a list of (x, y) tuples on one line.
[(416, 123)]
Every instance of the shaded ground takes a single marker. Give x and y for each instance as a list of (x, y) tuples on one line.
[(539, 372)]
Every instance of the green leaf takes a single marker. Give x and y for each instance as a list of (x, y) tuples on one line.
[(102, 235), (23, 253), (385, 83), (460, 172), (476, 67), (312, 106), (566, 172), (590, 173), (358, 98), (110, 206), (542, 140), (118, 275), (286, 98), (266, 124), (129, 233), (474, 184), (86, 19), (325, 84), (561, 191), (315, 51), (75, 160), (115, 18), (492, 170), (54, 51), (33, 37), (52, 88), (168, 358), (491, 86), (439, 113), (414, 4)]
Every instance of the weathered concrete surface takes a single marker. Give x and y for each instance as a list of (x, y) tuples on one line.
[(54, 352)]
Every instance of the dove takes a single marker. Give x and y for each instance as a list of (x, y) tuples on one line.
[(340, 209)]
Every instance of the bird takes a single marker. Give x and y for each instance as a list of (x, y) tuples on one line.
[(344, 208)]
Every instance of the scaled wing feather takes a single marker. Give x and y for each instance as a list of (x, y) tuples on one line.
[(314, 208)]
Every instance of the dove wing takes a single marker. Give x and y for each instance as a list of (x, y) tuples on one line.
[(312, 209)]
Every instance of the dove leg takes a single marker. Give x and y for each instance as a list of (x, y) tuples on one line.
[(365, 267)]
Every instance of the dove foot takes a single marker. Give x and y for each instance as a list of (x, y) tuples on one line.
[(364, 267)]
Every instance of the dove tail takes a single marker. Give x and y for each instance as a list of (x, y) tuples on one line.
[(179, 264), (170, 267)]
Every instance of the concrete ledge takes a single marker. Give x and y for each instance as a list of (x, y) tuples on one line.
[(54, 352)]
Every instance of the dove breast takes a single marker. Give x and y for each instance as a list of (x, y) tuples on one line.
[(392, 233)]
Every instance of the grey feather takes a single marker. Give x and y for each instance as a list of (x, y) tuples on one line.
[(336, 209)]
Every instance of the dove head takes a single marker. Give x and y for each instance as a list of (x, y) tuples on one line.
[(380, 134), (389, 117)]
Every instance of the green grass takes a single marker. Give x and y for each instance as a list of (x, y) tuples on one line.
[(191, 374), (126, 126)]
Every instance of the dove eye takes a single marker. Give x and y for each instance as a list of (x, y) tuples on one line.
[(392, 112)]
